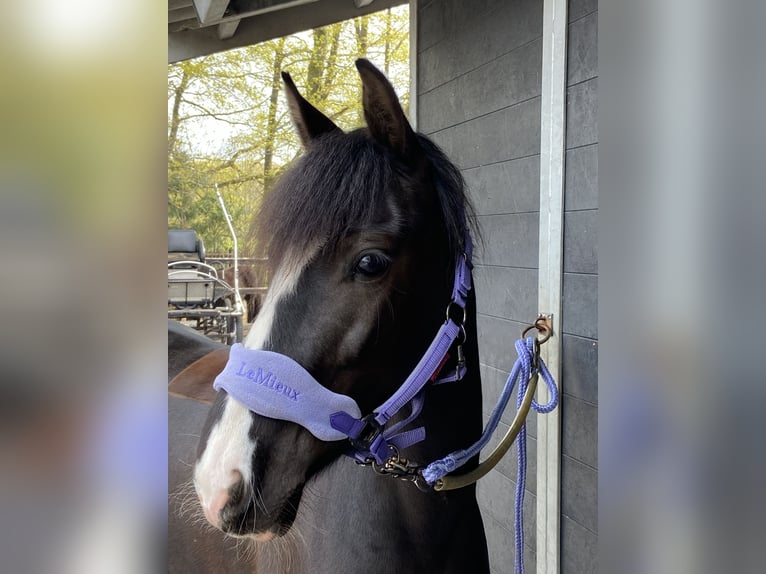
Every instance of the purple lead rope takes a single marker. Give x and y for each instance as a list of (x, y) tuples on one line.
[(521, 371)]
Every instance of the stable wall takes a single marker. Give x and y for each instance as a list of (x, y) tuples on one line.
[(478, 86)]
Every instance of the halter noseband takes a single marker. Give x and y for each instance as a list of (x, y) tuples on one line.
[(275, 386)]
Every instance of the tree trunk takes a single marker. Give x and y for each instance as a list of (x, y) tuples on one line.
[(316, 65), (271, 123), (360, 25), (331, 67), (387, 47), (175, 117)]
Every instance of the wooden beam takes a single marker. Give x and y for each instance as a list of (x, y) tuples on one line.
[(247, 10), (204, 41), (190, 24), (227, 29), (209, 11), (181, 14), (176, 4)]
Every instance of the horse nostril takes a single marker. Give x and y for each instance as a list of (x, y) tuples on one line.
[(225, 497), (213, 510), (238, 515)]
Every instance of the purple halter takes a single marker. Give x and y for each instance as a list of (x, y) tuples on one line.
[(275, 386)]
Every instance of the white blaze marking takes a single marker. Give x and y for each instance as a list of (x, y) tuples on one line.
[(283, 284), (229, 449)]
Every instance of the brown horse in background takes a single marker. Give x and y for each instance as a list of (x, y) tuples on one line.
[(193, 547), (249, 276)]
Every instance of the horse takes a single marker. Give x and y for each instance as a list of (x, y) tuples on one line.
[(364, 231), (193, 547), (248, 277)]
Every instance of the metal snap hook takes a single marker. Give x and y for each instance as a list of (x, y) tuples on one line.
[(462, 336)]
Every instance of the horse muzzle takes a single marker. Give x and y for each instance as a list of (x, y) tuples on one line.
[(241, 511), (251, 470)]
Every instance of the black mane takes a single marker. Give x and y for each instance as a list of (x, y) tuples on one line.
[(353, 174), (457, 211)]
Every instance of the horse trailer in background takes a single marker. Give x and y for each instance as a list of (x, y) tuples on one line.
[(197, 294)]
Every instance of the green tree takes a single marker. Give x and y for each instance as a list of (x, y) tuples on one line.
[(228, 124)]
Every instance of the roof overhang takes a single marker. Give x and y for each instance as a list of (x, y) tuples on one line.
[(201, 27)]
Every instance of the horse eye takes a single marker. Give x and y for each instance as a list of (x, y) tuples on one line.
[(371, 265)]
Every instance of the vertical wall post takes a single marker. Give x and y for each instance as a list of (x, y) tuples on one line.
[(552, 148), (414, 64)]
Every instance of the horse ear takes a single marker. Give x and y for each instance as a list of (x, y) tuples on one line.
[(308, 120), (196, 380), (383, 112)]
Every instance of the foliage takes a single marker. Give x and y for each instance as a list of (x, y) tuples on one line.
[(228, 123)]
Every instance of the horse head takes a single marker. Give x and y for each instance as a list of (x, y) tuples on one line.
[(363, 232)]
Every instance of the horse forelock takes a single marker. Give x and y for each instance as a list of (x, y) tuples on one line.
[(339, 184), (349, 182)]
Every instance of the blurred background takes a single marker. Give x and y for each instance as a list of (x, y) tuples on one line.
[(82, 327), (681, 290)]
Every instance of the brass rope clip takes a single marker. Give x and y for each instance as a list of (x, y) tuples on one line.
[(544, 326)]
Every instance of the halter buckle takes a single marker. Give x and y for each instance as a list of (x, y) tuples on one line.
[(371, 430)]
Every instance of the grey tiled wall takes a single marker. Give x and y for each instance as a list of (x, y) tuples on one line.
[(479, 85), (479, 88)]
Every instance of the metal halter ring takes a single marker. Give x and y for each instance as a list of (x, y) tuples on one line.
[(541, 327), (456, 304)]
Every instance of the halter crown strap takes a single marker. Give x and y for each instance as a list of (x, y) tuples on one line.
[(421, 374), (376, 441), (434, 356), (463, 267)]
